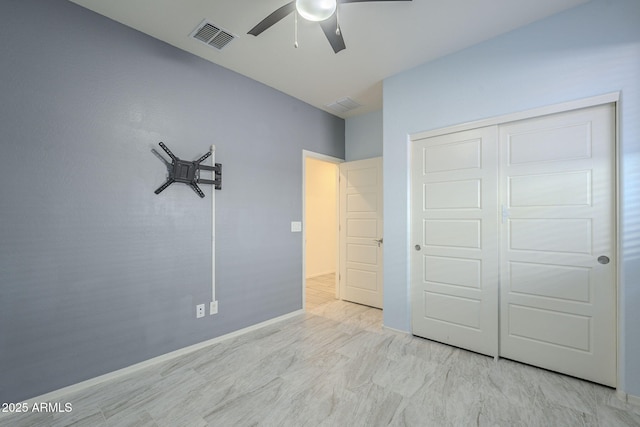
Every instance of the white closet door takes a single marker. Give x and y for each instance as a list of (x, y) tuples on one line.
[(361, 232), (558, 294), (454, 259)]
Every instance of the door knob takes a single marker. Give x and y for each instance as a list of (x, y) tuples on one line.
[(418, 247), (378, 241), (602, 259)]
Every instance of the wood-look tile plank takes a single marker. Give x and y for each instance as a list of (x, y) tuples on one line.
[(337, 366), (320, 290)]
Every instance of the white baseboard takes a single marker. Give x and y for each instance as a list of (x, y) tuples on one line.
[(629, 398), (396, 330), (56, 395), (311, 276)]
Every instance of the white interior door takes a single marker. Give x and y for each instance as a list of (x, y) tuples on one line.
[(454, 277), (557, 188), (361, 232)]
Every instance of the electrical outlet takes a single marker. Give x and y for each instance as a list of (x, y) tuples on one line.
[(213, 308), (199, 311)]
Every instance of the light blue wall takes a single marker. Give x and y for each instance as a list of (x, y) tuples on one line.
[(590, 50), (96, 271), (363, 136)]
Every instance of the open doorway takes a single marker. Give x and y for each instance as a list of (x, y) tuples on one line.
[(320, 214)]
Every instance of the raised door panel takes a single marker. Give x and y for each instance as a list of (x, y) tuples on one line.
[(360, 230), (557, 300), (453, 220)]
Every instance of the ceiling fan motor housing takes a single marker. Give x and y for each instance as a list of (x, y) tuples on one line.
[(316, 10)]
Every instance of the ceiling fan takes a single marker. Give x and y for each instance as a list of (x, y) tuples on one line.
[(323, 11)]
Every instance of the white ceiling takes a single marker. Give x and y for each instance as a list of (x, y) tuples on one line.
[(382, 39)]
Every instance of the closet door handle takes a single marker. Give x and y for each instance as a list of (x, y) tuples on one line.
[(603, 259), (417, 247)]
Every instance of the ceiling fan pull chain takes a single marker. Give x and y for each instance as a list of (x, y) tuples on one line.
[(295, 29)]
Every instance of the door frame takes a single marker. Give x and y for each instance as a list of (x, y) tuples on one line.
[(306, 154), (614, 98)]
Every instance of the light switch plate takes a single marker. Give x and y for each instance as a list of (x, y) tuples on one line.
[(296, 226)]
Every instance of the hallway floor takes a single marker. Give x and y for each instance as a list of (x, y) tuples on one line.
[(321, 290)]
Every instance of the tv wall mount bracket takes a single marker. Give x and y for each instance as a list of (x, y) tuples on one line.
[(189, 172)]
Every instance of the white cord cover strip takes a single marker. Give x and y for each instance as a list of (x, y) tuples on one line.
[(213, 232)]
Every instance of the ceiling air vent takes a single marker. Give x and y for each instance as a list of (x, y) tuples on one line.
[(343, 105), (212, 35)]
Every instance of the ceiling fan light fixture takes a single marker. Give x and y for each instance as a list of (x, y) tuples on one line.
[(316, 10)]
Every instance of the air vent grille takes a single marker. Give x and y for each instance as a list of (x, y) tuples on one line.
[(212, 35), (207, 32), (221, 40), (343, 105)]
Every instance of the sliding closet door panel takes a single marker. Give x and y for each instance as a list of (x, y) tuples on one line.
[(454, 260), (557, 190)]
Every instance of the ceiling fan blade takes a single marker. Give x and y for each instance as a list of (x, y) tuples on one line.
[(273, 18), (362, 1), (329, 26)]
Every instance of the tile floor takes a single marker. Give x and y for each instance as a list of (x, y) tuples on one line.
[(320, 290), (337, 366)]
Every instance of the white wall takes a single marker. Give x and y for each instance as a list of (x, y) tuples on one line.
[(321, 217), (589, 50)]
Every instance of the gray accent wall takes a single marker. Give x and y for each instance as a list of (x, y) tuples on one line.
[(363, 136), (586, 51), (96, 271)]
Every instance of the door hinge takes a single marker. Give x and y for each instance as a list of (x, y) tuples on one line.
[(505, 214)]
